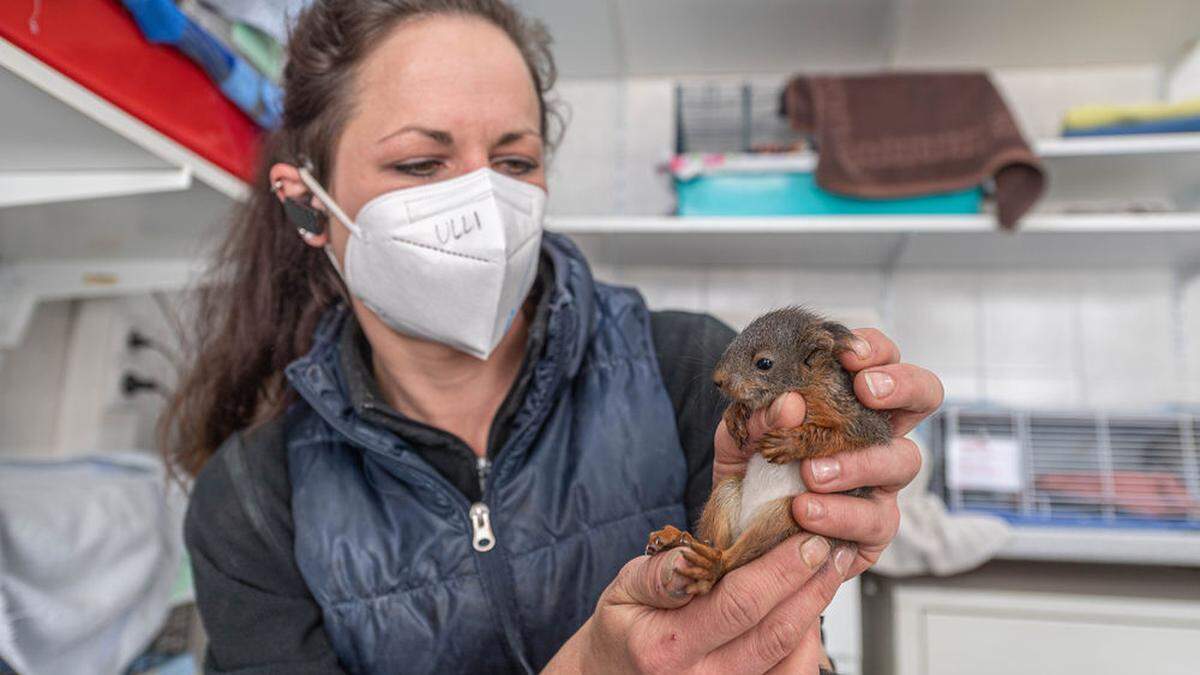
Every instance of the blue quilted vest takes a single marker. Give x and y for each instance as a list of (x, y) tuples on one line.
[(404, 574)]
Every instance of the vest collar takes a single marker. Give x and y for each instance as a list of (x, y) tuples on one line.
[(319, 379)]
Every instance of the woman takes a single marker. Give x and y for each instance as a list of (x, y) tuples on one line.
[(430, 441)]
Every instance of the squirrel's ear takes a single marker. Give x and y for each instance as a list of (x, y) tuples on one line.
[(839, 336)]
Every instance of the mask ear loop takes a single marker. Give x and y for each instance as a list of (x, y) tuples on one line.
[(320, 193), (323, 196)]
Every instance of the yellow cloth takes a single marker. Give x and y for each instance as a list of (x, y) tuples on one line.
[(1086, 116)]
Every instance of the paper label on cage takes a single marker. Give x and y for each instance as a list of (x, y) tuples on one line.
[(978, 463)]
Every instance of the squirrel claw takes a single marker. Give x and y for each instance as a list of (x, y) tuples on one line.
[(704, 561), (778, 449), (665, 539), (705, 566)]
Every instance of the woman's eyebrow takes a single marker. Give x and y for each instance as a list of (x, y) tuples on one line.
[(439, 136), (514, 136)]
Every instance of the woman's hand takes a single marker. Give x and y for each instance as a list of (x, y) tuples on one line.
[(881, 382), (762, 615)]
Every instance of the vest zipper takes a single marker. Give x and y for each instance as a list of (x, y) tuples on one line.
[(482, 467), (496, 578), (482, 537)]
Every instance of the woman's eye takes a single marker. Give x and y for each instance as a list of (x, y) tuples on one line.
[(425, 167), (764, 364), (515, 166)]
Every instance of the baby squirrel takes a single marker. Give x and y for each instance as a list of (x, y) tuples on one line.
[(789, 349)]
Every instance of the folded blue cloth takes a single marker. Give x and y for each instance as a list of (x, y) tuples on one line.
[(1166, 126), (163, 23)]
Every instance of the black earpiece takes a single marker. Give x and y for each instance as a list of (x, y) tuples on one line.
[(303, 216)]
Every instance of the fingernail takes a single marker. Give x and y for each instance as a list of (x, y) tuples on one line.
[(880, 384), (815, 510), (826, 469), (842, 559), (861, 347), (675, 584), (814, 551), (775, 411)]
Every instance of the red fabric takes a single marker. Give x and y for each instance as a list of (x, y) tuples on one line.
[(97, 44)]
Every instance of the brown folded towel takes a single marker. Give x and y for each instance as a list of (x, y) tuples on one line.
[(906, 134)]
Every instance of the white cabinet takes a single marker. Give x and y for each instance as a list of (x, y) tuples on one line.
[(1032, 618), (948, 632)]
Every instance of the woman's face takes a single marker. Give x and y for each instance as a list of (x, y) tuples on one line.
[(439, 97)]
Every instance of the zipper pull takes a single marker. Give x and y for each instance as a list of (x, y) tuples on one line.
[(482, 537)]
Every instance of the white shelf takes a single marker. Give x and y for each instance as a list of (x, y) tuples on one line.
[(851, 225), (25, 188), (88, 134), (24, 285), (697, 225), (1093, 146), (970, 241), (1101, 545)]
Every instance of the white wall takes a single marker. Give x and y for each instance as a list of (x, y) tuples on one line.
[(620, 131), (60, 388), (1043, 339)]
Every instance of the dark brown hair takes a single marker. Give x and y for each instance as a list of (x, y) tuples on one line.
[(266, 289)]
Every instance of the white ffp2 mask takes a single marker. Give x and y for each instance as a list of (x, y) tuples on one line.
[(450, 261)]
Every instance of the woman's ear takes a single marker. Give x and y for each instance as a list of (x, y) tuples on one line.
[(305, 212)]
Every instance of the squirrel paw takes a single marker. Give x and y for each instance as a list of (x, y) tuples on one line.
[(705, 566), (666, 539), (779, 448), (704, 561)]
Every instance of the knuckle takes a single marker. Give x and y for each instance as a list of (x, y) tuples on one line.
[(892, 527), (939, 391), (775, 641), (629, 572), (608, 622), (827, 585), (910, 455), (627, 581), (738, 606), (864, 465), (884, 527)]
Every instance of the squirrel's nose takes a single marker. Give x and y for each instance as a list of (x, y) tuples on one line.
[(719, 381)]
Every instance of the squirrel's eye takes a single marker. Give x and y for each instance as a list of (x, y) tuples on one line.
[(764, 364), (808, 359)]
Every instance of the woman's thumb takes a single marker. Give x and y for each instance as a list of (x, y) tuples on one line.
[(652, 581)]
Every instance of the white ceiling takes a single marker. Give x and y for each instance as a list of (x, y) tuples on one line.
[(615, 38)]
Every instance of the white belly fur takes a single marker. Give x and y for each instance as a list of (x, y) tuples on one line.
[(765, 482)]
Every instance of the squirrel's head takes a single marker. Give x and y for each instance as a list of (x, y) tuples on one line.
[(780, 351)]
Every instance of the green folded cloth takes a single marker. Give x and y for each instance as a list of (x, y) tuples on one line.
[(260, 49)]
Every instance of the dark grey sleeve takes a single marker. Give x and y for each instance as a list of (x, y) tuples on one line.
[(260, 617), (688, 346)]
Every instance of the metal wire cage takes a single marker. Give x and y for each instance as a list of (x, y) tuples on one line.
[(1072, 468), (712, 116)]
